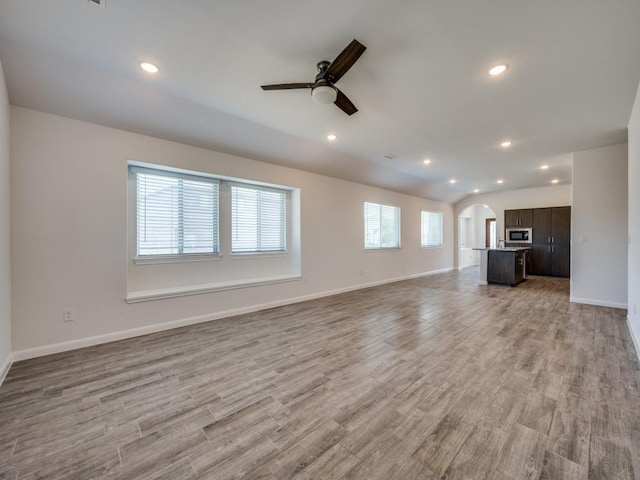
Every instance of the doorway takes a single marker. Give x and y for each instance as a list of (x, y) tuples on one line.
[(490, 236)]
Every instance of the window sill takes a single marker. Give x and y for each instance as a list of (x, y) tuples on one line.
[(162, 293), (430, 247), (152, 260), (254, 255), (382, 249)]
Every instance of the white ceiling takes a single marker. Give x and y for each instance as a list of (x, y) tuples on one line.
[(421, 87)]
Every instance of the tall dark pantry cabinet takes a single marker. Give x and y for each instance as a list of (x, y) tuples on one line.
[(550, 252)]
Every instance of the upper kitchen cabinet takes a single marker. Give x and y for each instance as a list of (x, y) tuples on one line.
[(552, 225), (541, 226), (561, 225), (518, 218)]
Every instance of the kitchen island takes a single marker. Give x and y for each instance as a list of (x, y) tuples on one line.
[(503, 266)]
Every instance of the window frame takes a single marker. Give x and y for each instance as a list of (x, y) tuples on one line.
[(381, 247), (422, 227), (224, 228), (285, 233), (133, 170)]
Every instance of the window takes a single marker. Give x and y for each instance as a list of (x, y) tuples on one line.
[(381, 226), (176, 214), (192, 232), (431, 231), (257, 219)]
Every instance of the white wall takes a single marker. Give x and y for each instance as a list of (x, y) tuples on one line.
[(482, 213), (634, 222), (466, 228), (555, 196), (599, 240), (5, 229), (69, 232)]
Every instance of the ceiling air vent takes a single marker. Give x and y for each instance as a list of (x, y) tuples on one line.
[(99, 3), (391, 156)]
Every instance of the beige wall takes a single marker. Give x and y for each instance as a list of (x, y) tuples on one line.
[(599, 239), (69, 231), (634, 222), (5, 251)]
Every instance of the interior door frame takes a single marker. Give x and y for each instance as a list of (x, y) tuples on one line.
[(487, 231)]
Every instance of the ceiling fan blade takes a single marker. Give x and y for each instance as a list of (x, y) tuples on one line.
[(345, 104), (287, 86), (344, 61)]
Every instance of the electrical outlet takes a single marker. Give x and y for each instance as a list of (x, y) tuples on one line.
[(69, 315)]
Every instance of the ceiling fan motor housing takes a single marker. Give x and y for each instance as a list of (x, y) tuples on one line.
[(323, 91)]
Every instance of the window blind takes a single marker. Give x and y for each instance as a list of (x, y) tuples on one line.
[(176, 214), (381, 226), (257, 219), (431, 231)]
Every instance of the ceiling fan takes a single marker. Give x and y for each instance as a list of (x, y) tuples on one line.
[(323, 90)]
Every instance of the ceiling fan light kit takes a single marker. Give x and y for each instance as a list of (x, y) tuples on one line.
[(324, 94), (323, 89)]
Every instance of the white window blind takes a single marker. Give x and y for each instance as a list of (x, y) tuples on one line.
[(176, 214), (431, 229), (257, 219), (381, 226)]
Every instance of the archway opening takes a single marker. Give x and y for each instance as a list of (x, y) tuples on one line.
[(476, 229)]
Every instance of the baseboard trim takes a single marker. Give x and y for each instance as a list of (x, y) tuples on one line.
[(5, 367), (159, 327), (468, 266), (598, 303), (634, 338)]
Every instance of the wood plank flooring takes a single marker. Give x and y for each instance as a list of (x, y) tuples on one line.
[(432, 378)]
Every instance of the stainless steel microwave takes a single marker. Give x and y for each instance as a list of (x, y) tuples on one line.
[(519, 235)]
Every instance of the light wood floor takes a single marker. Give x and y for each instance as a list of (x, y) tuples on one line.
[(425, 379)]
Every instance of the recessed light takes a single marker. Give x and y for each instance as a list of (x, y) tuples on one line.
[(555, 180), (500, 181), (544, 167), (453, 180), (426, 161), (506, 144), (498, 69), (477, 190), (331, 137), (149, 67)]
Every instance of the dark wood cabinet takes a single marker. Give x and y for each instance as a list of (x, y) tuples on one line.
[(551, 246), (560, 260), (561, 225), (505, 267), (518, 218), (540, 261), (541, 226), (511, 218)]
